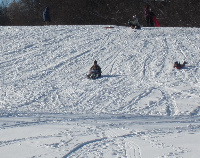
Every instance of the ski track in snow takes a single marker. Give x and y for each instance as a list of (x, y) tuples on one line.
[(137, 109)]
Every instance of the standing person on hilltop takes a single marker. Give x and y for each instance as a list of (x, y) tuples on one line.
[(147, 14), (151, 19), (151, 16), (46, 16)]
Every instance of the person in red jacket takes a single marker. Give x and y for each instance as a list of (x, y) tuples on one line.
[(178, 65)]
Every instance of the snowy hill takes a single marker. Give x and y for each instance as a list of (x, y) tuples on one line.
[(50, 106)]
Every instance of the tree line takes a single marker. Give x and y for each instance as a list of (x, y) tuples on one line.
[(170, 13)]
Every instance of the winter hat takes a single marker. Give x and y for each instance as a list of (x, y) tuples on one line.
[(95, 62)]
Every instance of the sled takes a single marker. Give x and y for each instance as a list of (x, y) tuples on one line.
[(156, 21), (137, 28), (93, 76)]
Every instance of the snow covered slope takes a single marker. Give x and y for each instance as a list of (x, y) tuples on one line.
[(43, 70), (43, 86)]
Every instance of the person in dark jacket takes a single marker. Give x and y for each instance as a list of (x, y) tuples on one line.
[(151, 15), (46, 16), (147, 14), (134, 23)]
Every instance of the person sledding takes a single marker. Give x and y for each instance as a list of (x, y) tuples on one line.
[(95, 71), (134, 23), (178, 65)]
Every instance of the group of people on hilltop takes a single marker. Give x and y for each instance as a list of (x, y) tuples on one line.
[(149, 17), (134, 23)]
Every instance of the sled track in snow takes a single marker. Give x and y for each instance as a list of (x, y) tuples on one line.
[(108, 139), (80, 146)]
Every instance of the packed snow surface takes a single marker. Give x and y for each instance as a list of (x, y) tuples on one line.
[(141, 107)]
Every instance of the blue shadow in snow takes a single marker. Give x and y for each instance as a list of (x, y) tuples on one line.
[(110, 76)]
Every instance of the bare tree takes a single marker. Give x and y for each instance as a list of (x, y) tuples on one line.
[(111, 12)]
